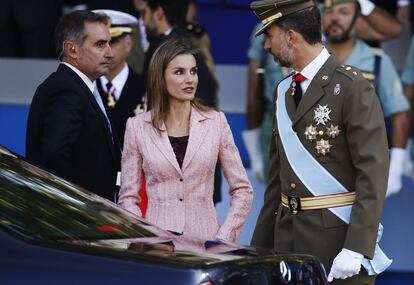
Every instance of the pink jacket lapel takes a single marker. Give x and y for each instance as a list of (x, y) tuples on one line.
[(162, 142), (197, 134)]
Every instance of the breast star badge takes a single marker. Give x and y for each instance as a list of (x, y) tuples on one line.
[(333, 131), (310, 133), (323, 147), (322, 115)]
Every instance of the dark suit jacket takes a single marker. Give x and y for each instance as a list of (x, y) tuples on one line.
[(68, 134), (131, 96), (358, 159)]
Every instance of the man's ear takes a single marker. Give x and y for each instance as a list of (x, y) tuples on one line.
[(291, 37), (71, 50)]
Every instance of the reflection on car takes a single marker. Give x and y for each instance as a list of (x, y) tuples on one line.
[(54, 232)]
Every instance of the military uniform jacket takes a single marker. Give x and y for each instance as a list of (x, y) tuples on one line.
[(131, 99), (358, 159)]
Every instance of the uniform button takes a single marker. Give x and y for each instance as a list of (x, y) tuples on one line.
[(274, 130), (181, 179), (292, 185), (181, 199)]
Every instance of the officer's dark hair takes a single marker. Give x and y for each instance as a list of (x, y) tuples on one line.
[(306, 22), (175, 10), (71, 27)]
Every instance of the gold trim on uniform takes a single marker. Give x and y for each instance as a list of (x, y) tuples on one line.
[(271, 18), (318, 202)]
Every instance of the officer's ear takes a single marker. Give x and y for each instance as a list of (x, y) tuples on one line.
[(291, 37)]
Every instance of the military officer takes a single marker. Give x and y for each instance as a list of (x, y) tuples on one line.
[(328, 155), (376, 66), (121, 89)]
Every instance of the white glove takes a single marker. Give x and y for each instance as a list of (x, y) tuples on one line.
[(398, 156), (366, 7), (346, 264), (252, 143)]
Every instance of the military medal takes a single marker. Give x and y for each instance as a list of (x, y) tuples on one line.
[(141, 108), (322, 115), (293, 88), (111, 100), (310, 133), (323, 147), (333, 131)]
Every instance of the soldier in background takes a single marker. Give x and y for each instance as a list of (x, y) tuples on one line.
[(376, 66)]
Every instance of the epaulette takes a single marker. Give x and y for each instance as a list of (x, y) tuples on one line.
[(196, 30), (349, 71)]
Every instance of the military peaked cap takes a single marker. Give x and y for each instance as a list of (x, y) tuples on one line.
[(269, 11), (120, 23)]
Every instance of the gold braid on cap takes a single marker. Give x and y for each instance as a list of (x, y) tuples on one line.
[(117, 31), (272, 18)]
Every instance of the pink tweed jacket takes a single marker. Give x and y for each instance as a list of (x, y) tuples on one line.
[(181, 199)]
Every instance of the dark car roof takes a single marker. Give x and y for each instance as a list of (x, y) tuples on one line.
[(42, 209)]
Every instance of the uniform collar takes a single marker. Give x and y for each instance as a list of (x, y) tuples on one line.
[(118, 82), (313, 67)]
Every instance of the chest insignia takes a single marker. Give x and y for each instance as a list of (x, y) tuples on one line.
[(310, 133), (333, 131), (323, 146), (337, 89), (111, 101), (322, 134), (141, 108), (322, 114)]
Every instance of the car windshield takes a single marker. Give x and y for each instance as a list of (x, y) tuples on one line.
[(35, 204)]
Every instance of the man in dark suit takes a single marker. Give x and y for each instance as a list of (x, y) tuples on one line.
[(328, 154), (68, 130), (121, 89)]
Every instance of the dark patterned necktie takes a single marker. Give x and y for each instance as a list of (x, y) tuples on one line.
[(297, 89)]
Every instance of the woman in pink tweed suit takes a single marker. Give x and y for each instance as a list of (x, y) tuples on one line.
[(177, 145)]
